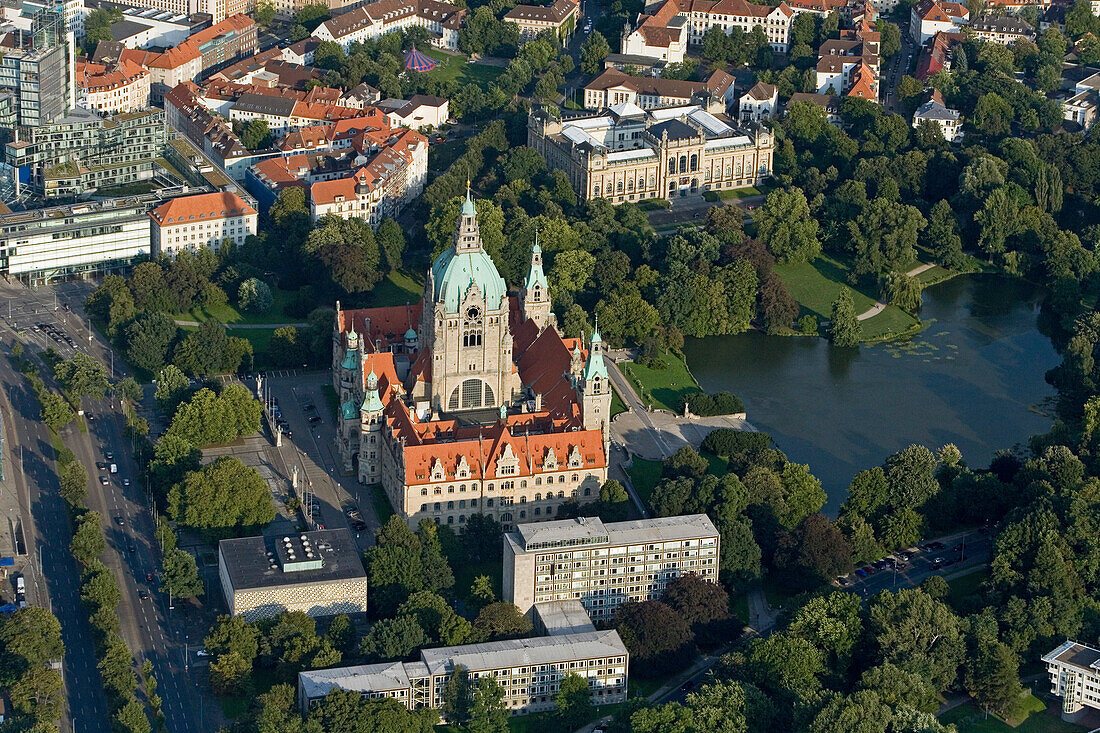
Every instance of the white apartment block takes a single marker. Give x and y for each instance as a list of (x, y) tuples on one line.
[(1074, 671), (930, 17), (39, 246), (666, 32), (605, 565), (206, 220), (113, 90), (376, 19), (529, 670)]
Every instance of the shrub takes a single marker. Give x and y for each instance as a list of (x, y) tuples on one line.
[(705, 405), (255, 295), (808, 325)]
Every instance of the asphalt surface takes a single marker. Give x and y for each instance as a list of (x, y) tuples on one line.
[(150, 628)]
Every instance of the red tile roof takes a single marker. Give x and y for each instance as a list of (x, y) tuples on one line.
[(202, 207)]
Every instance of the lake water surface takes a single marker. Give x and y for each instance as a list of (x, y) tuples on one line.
[(973, 377)]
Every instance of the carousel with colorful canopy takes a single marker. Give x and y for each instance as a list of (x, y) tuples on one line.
[(416, 61)]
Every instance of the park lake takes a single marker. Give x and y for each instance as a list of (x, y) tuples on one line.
[(973, 377)]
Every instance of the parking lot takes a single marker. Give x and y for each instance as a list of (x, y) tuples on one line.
[(911, 566)]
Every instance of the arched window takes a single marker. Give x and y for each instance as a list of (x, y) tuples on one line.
[(471, 393), (471, 337), (683, 163), (671, 164), (694, 162), (538, 497), (588, 492), (561, 479), (451, 504)]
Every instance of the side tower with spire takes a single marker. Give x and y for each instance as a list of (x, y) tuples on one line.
[(534, 296), (594, 389), (370, 439)]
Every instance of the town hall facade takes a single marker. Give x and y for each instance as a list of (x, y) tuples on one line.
[(471, 401)]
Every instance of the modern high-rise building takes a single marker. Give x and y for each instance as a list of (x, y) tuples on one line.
[(604, 565), (36, 72)]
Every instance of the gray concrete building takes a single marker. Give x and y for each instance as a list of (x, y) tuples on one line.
[(319, 573), (604, 565), (529, 670)]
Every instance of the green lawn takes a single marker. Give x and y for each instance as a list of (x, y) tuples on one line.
[(229, 314), (617, 404), (645, 475), (965, 585), (661, 387), (379, 500), (1040, 719), (456, 67), (732, 193), (815, 285), (740, 608), (538, 721), (397, 288)]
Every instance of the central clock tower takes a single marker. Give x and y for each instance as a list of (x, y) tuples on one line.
[(467, 326)]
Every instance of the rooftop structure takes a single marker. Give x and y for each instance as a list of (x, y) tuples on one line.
[(319, 572), (1074, 671)]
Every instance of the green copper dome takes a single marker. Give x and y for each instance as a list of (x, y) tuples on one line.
[(454, 274), (372, 402), (348, 410), (351, 359), (410, 335)]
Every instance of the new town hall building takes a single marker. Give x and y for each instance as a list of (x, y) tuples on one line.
[(471, 401)]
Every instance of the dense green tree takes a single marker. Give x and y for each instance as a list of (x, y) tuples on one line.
[(832, 623), (395, 638), (39, 694), (210, 350), (256, 135), (82, 376), (172, 387), (918, 634), (897, 687), (180, 574), (232, 634), (487, 711), (457, 696), (88, 542), (209, 418), (992, 677), (230, 674), (992, 114), (942, 237), (225, 494), (593, 51), (149, 339), (910, 477), (254, 295), (786, 227), (574, 701), (844, 328), (73, 478), (30, 637), (501, 620), (658, 638)]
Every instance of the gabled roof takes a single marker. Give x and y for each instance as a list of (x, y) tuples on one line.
[(762, 92), (203, 207)]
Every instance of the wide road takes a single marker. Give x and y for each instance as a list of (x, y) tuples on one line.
[(57, 585)]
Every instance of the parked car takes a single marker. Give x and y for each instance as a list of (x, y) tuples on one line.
[(120, 520), (103, 480), (869, 569), (101, 465), (143, 594), (149, 577), (109, 456), (861, 572), (843, 581), (314, 419)]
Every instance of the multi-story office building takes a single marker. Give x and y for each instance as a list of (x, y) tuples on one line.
[(604, 565), (1074, 671), (319, 573), (205, 220), (36, 74), (81, 151), (42, 245), (530, 672), (629, 154)]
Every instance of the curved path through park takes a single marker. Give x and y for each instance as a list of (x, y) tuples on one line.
[(879, 306), (196, 324)]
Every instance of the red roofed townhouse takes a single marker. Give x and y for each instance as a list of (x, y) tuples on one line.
[(368, 22), (471, 402), (205, 220), (109, 90), (665, 33), (930, 17)]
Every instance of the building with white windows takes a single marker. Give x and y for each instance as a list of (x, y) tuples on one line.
[(39, 246), (368, 22), (630, 154), (529, 671), (759, 103), (1005, 29), (319, 573), (613, 87), (1074, 671), (934, 110), (930, 17), (666, 32), (603, 565), (114, 89), (205, 220), (533, 20)]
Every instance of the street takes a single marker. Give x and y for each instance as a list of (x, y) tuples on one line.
[(131, 553)]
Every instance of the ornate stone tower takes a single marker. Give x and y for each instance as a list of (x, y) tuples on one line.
[(465, 324), (595, 389), (370, 436), (534, 296)]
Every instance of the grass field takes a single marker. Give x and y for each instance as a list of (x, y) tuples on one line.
[(661, 387), (397, 288), (1039, 719), (815, 285), (645, 475), (965, 585), (617, 404), (229, 314), (380, 502), (735, 193), (449, 66)]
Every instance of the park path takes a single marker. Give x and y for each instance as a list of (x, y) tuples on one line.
[(257, 326), (879, 306)]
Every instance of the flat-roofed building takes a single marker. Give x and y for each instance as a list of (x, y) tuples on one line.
[(604, 565), (39, 246), (1074, 671), (530, 672), (319, 573)]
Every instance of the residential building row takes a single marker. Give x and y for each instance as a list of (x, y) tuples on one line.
[(109, 90), (630, 154), (613, 87), (373, 20), (603, 565), (666, 32), (92, 238), (560, 17)]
